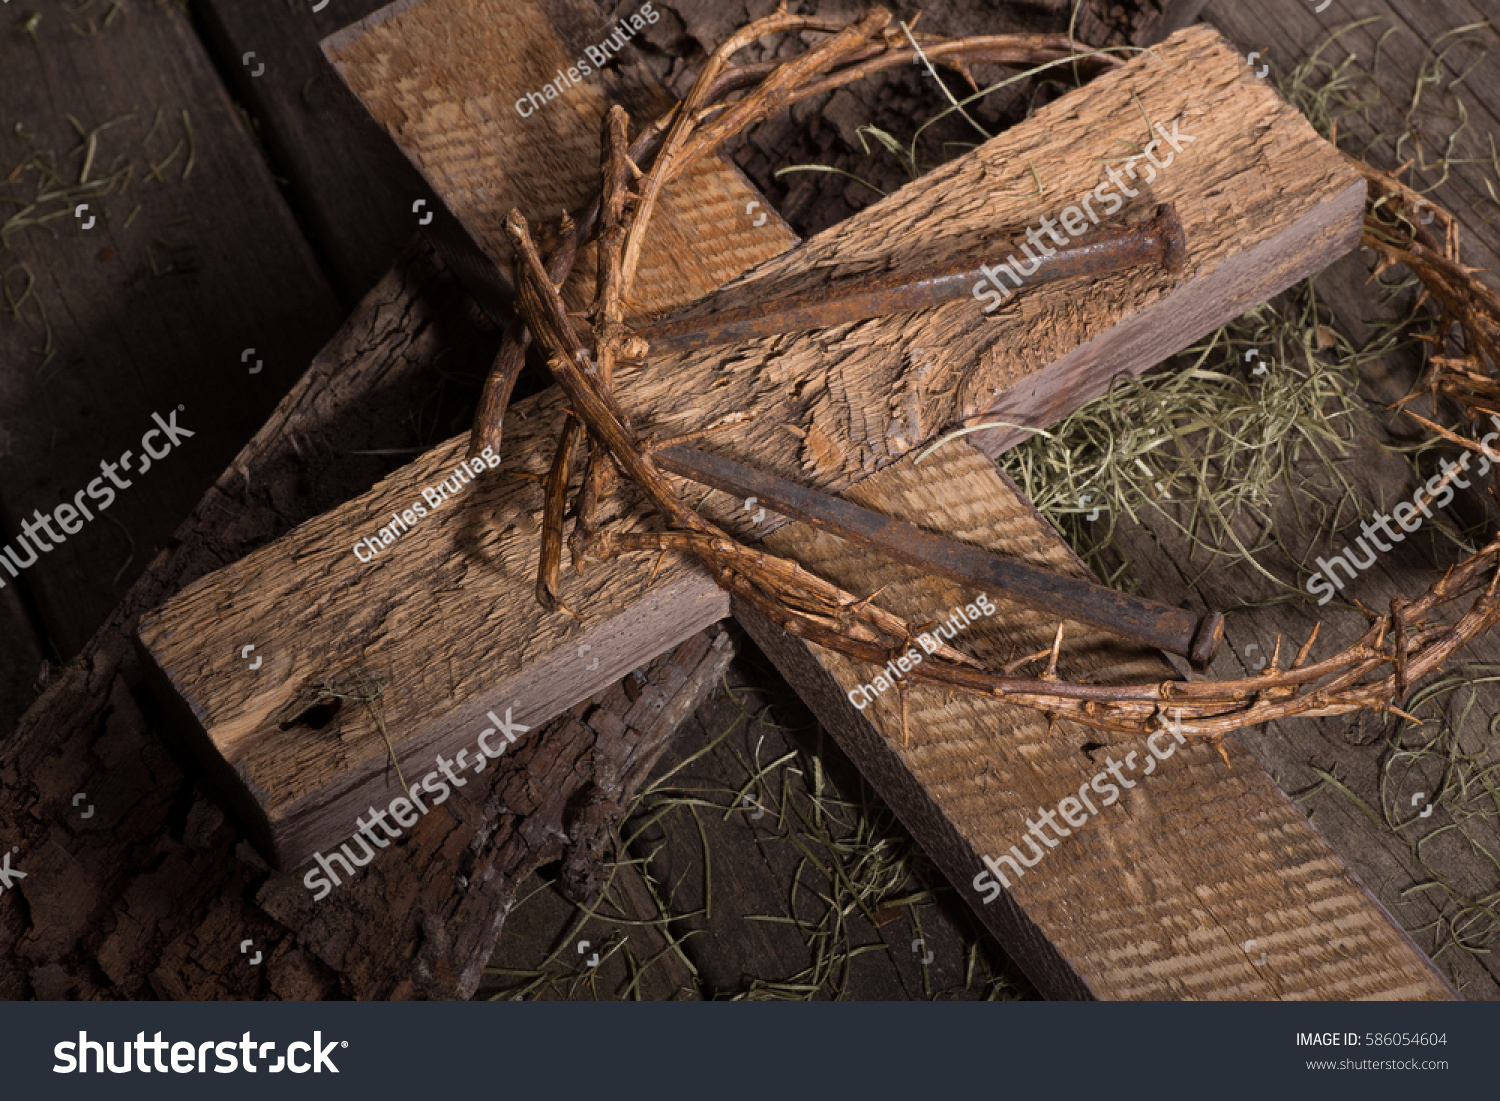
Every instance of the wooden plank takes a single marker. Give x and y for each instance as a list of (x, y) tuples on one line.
[(812, 201), (456, 107), (1175, 890), (445, 918), (151, 896), (507, 656), (548, 954), (813, 840), (826, 409), (1354, 750), (1410, 40), (353, 217), (21, 657), (148, 310)]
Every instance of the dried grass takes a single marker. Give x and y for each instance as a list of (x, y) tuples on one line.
[(43, 191), (855, 868)]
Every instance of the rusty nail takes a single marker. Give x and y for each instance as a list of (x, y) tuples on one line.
[(1158, 242), (1175, 630)]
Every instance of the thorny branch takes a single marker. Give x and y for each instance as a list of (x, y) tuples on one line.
[(1397, 650)]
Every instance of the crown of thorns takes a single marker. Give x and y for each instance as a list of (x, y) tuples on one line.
[(1373, 673)]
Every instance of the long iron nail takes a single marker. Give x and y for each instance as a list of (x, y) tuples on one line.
[(1175, 630), (1158, 242)]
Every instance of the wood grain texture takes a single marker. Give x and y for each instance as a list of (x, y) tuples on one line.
[(825, 408), (1394, 862), (740, 857), (191, 258), (1159, 896), (352, 215), (826, 130), (545, 933), (753, 884), (445, 617), (150, 897), (443, 78), (21, 656)]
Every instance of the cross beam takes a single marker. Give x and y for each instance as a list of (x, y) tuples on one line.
[(443, 613)]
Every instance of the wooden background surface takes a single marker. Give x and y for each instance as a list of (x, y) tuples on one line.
[(252, 219)]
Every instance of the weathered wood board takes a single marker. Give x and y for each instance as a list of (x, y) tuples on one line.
[(355, 220), (122, 715), (766, 895), (826, 408), (21, 657), (1196, 881), (452, 81), (151, 895), (146, 301), (1404, 857)]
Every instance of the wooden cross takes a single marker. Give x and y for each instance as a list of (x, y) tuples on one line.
[(1160, 897)]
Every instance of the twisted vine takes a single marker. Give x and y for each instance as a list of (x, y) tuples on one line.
[(1374, 673)]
